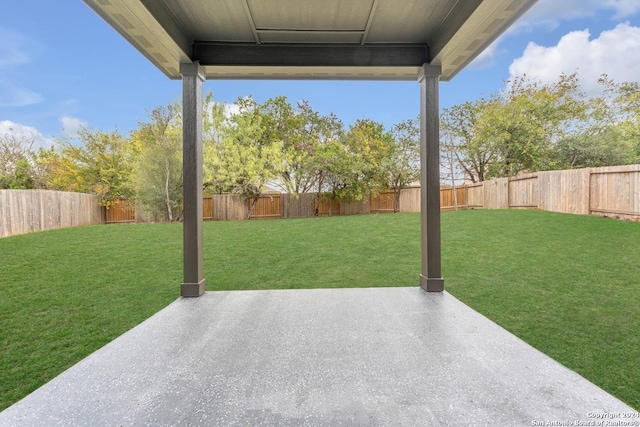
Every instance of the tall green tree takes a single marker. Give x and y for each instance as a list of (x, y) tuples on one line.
[(16, 162), (282, 124), (337, 170), (301, 130), (609, 134), (403, 164), (372, 145), (463, 137), (527, 120), (607, 147), (102, 164), (627, 107), (157, 176), (246, 160), (216, 122)]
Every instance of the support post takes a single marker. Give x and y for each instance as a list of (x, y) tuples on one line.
[(192, 80), (431, 277)]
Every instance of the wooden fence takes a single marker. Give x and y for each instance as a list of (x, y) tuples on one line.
[(607, 191), (447, 200), (382, 203), (615, 193), (475, 195), (325, 206), (269, 206), (225, 207), (303, 206), (24, 211), (121, 211)]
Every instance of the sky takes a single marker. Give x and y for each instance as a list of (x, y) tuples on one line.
[(63, 67)]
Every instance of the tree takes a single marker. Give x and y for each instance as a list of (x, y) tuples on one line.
[(608, 147), (627, 102), (300, 130), (158, 173), (460, 127), (609, 134), (542, 126), (282, 124), (216, 123), (245, 159), (60, 172), (42, 167), (372, 146), (16, 162), (102, 165), (450, 170), (525, 122), (316, 130), (403, 166), (337, 171)]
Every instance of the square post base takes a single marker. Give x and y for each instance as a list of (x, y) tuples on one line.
[(192, 289), (431, 284)]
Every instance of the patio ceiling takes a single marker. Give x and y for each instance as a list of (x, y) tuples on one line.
[(311, 39)]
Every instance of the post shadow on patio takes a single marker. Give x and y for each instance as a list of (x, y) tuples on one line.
[(427, 41)]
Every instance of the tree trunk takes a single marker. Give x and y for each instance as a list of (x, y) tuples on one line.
[(253, 206), (167, 197), (455, 195), (396, 200), (316, 205), (453, 184), (317, 198), (331, 199)]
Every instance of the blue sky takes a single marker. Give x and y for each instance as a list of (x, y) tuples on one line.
[(61, 66)]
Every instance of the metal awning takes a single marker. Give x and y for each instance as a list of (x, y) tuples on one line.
[(311, 39)]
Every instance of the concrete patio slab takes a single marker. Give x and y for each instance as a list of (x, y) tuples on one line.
[(318, 357)]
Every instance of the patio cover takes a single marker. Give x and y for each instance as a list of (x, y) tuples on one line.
[(425, 40)]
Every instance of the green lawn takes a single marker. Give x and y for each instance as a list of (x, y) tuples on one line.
[(568, 285)]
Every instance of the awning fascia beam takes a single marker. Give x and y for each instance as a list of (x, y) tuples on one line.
[(310, 55)]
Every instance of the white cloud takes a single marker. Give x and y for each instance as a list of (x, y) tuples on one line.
[(26, 133), (71, 125), (13, 95), (15, 51), (228, 110), (550, 13), (231, 110), (614, 52), (624, 8)]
